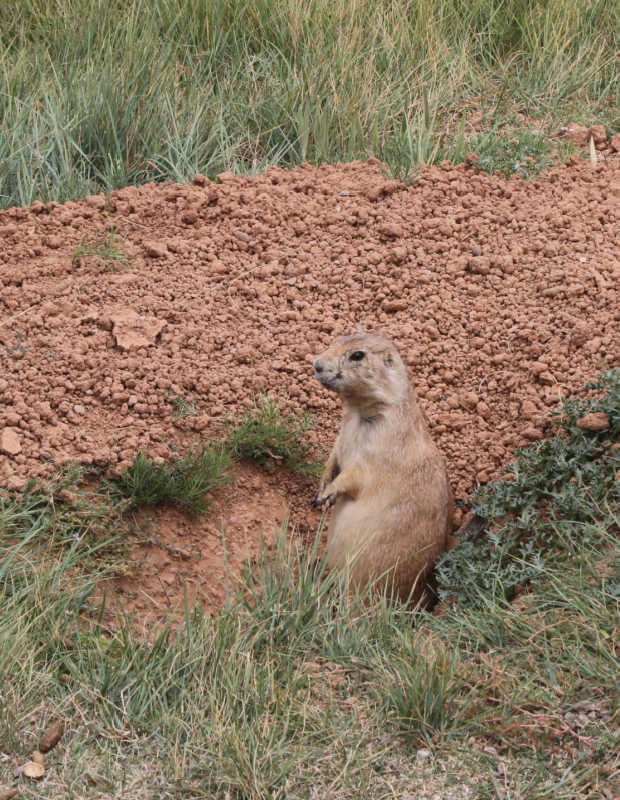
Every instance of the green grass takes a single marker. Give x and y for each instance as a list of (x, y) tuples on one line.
[(107, 250), (182, 408), (297, 689), (184, 482), (95, 96), (65, 514), (523, 152), (265, 434)]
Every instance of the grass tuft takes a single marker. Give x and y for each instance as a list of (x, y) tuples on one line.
[(265, 434), (184, 483), (182, 408), (523, 152), (107, 250)]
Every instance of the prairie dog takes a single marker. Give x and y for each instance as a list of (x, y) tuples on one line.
[(385, 476)]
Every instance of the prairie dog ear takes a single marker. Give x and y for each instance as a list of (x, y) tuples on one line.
[(388, 358)]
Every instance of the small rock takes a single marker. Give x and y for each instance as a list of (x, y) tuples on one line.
[(615, 142), (528, 409), (532, 434), (51, 735), (242, 236), (70, 498), (480, 265), (199, 179), (391, 229), (580, 333), (423, 754), (132, 330), (16, 482), (599, 134), (9, 442), (391, 306), (578, 134), (546, 377), (53, 242), (33, 770), (79, 409), (482, 409), (155, 249), (398, 254), (596, 421), (469, 400), (189, 217)]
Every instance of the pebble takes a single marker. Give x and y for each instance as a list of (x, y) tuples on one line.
[(155, 249), (595, 421), (10, 442)]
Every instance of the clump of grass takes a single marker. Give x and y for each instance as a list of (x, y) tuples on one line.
[(183, 408), (424, 691), (184, 483), (523, 152), (108, 250), (551, 501), (266, 434)]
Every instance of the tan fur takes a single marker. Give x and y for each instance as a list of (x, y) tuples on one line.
[(385, 476)]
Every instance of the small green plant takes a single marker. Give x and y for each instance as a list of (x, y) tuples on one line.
[(184, 483), (523, 152), (108, 250), (422, 688), (182, 407), (265, 434), (553, 498)]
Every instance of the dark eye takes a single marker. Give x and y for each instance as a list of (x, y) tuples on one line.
[(358, 355)]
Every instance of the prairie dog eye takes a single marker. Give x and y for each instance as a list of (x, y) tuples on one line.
[(358, 355)]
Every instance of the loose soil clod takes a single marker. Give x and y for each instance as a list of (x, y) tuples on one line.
[(51, 736)]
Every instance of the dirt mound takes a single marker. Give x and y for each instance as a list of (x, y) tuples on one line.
[(142, 319), (200, 557)]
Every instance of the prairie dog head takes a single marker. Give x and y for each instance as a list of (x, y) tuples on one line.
[(365, 368)]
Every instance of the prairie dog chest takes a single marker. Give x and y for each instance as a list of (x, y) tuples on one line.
[(358, 440)]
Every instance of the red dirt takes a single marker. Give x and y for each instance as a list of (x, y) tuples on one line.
[(501, 295), (189, 558)]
